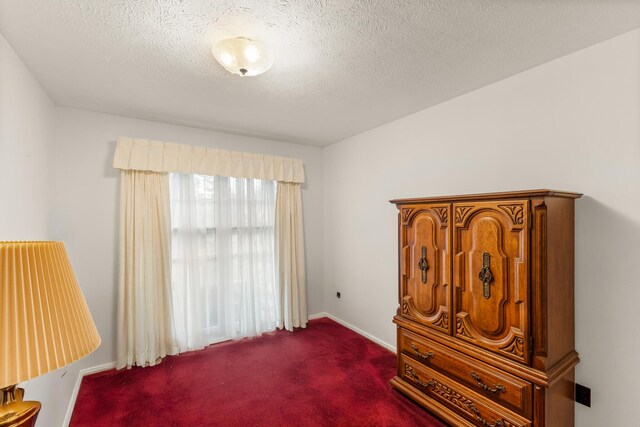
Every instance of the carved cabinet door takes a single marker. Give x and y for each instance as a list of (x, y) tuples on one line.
[(425, 265), (490, 268)]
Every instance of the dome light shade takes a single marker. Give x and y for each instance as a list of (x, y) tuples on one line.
[(242, 56)]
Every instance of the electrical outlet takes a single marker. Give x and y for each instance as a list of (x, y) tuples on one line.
[(337, 294), (583, 395)]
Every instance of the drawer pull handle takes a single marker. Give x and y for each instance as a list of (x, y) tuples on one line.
[(417, 379), (423, 265), (476, 412), (496, 389), (425, 356)]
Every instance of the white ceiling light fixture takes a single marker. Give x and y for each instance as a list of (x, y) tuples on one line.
[(242, 56)]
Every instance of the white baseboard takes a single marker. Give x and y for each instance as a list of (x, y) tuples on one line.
[(76, 387), (355, 329), (318, 315)]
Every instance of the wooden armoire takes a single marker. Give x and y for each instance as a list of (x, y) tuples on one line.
[(486, 317)]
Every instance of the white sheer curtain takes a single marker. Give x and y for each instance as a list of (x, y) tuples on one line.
[(223, 273)]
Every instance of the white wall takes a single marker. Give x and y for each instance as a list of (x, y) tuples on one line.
[(571, 124), (26, 137), (86, 210), (26, 132)]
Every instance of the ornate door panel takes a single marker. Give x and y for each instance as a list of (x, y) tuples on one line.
[(425, 269), (491, 301)]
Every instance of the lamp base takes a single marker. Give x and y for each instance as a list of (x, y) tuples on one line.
[(14, 412)]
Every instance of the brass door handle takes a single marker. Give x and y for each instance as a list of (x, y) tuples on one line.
[(485, 275), (423, 265), (498, 388)]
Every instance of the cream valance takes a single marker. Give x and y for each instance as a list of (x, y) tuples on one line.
[(157, 156)]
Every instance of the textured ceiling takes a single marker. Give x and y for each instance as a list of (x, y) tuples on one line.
[(341, 66)]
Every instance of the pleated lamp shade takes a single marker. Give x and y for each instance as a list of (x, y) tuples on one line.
[(45, 323)]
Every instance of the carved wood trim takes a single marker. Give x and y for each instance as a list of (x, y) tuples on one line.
[(443, 214), (405, 308), (452, 396), (461, 213), (405, 214), (515, 347), (409, 310), (515, 212), (442, 321), (461, 329)]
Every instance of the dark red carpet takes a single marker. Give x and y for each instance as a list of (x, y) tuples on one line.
[(324, 375)]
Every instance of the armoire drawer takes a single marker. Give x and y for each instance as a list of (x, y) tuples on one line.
[(457, 397), (506, 389)]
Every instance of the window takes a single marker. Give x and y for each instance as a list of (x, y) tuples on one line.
[(223, 273)]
